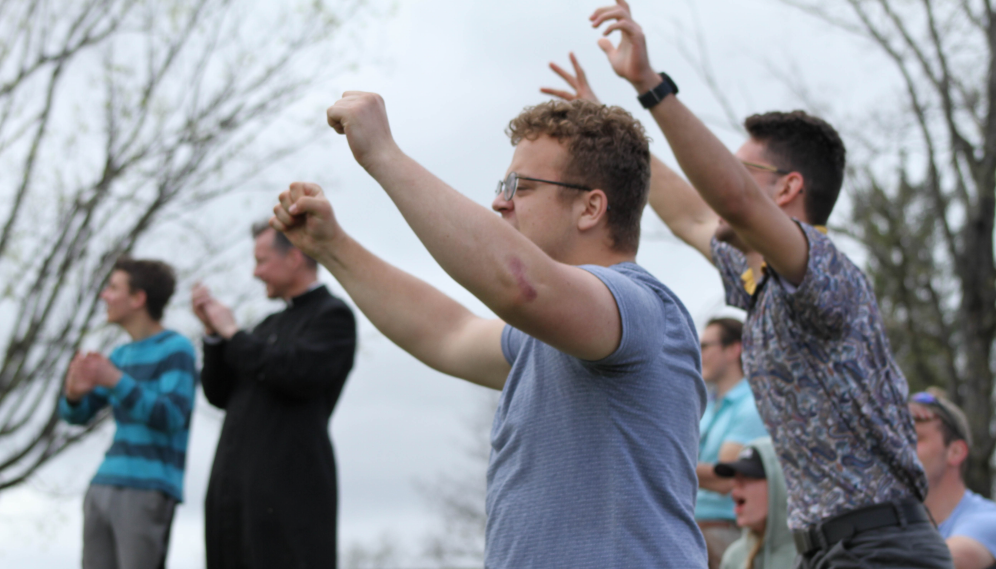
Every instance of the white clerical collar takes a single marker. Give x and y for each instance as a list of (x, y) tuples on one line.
[(311, 287)]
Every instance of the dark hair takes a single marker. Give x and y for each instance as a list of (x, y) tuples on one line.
[(949, 415), (155, 278), (607, 149), (802, 143), (280, 241), (731, 330)]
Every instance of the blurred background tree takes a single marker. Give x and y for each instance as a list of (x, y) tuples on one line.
[(116, 117), (923, 193)]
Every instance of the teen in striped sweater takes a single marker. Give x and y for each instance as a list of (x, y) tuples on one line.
[(149, 384)]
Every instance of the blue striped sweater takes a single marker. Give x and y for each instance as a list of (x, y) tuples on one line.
[(152, 406)]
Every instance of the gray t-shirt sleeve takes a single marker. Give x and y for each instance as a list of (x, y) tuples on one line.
[(511, 343), (643, 317)]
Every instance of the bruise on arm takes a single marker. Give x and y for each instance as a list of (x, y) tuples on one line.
[(518, 269)]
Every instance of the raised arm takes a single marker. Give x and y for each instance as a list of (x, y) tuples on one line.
[(718, 176), (559, 304), (673, 199), (681, 208), (218, 379), (414, 315)]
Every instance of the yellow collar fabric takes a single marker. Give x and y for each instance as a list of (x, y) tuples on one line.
[(750, 283)]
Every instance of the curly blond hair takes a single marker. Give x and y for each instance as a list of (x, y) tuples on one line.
[(607, 149)]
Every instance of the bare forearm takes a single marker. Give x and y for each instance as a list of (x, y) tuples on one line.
[(731, 192), (411, 313), (681, 208), (712, 169), (480, 251), (709, 481)]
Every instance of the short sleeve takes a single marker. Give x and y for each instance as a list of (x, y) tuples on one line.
[(511, 343), (831, 289), (731, 264), (642, 312)]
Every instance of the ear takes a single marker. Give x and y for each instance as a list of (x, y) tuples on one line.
[(296, 257), (790, 189), (957, 453), (138, 298), (594, 206), (737, 348)]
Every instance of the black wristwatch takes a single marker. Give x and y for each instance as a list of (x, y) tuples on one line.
[(658, 93)]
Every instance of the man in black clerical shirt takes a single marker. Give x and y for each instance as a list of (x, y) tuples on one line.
[(271, 499)]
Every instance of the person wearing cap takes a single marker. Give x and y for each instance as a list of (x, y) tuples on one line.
[(966, 520), (730, 422), (761, 508)]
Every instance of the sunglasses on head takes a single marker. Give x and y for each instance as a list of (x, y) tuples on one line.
[(943, 413)]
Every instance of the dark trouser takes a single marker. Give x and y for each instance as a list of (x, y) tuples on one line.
[(913, 546), (126, 528)]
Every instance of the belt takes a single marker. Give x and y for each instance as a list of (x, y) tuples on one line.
[(838, 528)]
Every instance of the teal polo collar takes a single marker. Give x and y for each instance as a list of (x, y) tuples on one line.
[(739, 391)]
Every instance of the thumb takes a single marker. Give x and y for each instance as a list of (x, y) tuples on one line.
[(312, 190), (334, 116), (606, 45)]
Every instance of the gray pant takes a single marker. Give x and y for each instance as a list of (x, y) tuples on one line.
[(125, 528), (913, 546)]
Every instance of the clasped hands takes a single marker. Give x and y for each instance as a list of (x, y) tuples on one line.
[(87, 371), (216, 317)]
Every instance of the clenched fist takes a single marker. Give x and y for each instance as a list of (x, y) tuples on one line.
[(305, 216), (362, 117)]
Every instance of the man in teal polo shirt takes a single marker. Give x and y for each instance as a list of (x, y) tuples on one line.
[(730, 421)]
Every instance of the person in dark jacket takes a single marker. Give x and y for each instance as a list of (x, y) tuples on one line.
[(271, 499)]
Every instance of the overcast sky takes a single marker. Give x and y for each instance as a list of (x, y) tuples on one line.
[(453, 74)]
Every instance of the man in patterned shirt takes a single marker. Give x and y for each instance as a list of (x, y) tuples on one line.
[(815, 351)]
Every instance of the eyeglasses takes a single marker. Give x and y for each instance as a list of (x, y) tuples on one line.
[(941, 410), (765, 167), (508, 186)]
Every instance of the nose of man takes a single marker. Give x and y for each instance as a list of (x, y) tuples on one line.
[(501, 205)]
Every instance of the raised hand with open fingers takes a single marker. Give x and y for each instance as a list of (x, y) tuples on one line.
[(629, 59), (362, 117), (578, 81)]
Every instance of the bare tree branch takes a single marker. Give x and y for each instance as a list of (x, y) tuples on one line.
[(175, 104)]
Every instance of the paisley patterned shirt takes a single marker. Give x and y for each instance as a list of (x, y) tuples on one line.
[(826, 384)]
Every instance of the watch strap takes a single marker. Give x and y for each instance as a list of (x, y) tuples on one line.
[(658, 93)]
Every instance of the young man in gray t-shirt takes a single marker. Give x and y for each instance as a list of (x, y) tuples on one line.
[(594, 441)]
